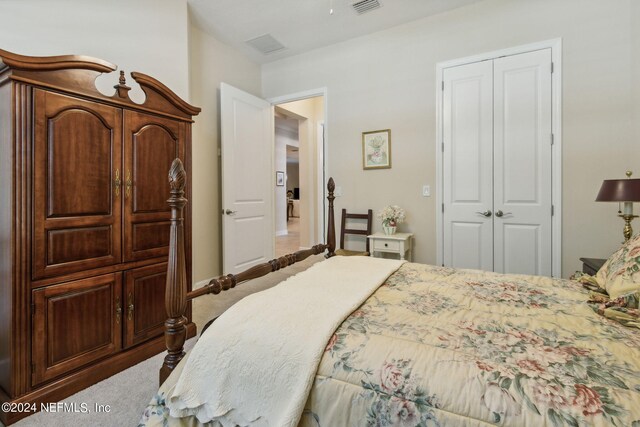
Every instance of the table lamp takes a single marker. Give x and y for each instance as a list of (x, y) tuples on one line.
[(626, 191)]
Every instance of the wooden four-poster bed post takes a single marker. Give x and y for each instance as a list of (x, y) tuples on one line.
[(176, 296)]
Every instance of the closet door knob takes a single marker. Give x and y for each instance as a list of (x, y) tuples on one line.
[(230, 212), (499, 213), (486, 213)]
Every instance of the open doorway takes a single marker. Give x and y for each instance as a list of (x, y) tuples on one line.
[(298, 156)]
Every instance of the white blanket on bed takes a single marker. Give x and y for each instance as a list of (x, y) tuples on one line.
[(256, 363)]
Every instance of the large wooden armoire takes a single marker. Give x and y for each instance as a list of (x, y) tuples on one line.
[(84, 223)]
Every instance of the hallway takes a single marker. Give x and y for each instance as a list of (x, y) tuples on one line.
[(289, 243)]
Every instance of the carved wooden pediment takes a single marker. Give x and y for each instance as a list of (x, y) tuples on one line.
[(78, 73)]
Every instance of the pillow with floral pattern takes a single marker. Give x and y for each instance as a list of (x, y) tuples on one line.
[(620, 274)]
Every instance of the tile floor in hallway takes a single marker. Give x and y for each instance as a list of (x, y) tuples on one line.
[(289, 243)]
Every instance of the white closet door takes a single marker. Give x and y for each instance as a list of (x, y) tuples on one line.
[(522, 163), (467, 168)]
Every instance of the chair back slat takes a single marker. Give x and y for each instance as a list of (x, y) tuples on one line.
[(344, 230)]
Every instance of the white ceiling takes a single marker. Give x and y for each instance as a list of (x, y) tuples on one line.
[(303, 25)]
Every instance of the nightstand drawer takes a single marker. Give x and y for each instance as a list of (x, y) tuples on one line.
[(382, 245)]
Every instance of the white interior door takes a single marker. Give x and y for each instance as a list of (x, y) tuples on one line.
[(468, 172), (497, 165), (522, 163), (247, 180)]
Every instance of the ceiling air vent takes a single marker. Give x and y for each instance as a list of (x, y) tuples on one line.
[(265, 44), (364, 6)]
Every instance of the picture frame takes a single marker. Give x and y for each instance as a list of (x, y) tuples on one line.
[(280, 178), (376, 149)]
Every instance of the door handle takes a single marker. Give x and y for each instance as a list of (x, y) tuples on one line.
[(128, 185), (499, 213), (130, 307), (230, 212), (117, 183), (486, 213), (118, 310)]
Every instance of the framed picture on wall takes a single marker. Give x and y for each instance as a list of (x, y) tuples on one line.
[(376, 149), (280, 178)]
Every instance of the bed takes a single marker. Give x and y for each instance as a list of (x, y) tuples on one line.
[(418, 345)]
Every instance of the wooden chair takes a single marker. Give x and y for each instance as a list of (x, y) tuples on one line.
[(363, 232)]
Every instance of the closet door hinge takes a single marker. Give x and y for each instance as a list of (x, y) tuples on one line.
[(442, 85), (552, 210), (552, 68), (443, 207), (442, 147), (552, 137), (219, 152)]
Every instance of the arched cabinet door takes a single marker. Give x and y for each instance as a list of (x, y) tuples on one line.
[(150, 145), (77, 178)]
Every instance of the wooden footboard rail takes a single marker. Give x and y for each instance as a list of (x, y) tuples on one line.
[(176, 296)]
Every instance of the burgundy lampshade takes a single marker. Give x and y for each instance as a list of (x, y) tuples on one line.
[(619, 190)]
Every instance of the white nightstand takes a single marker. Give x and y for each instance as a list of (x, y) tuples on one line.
[(399, 243)]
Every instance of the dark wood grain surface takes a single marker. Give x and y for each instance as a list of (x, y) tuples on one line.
[(84, 227)]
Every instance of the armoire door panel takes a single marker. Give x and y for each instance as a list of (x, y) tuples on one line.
[(150, 235), (467, 166), (151, 144), (76, 244), (78, 143), (145, 309), (74, 324), (77, 160)]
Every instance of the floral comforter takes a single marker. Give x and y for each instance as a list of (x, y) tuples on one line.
[(435, 346)]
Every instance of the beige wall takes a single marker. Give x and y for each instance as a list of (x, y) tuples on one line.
[(387, 80), (211, 62), (634, 18), (149, 36)]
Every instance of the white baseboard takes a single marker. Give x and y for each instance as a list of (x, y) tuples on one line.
[(282, 233), (202, 283)]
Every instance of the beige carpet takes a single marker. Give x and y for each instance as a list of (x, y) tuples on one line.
[(128, 392)]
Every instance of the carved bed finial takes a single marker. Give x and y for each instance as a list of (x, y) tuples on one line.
[(177, 176), (122, 80), (331, 230)]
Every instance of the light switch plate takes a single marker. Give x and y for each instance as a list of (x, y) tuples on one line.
[(426, 190), (338, 192)]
